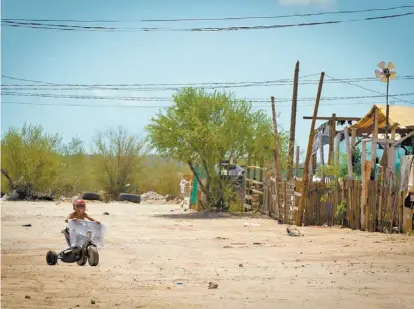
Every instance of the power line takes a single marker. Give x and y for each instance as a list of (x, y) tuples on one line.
[(346, 82), (63, 27), (212, 19), (161, 106), (169, 99), (43, 85)]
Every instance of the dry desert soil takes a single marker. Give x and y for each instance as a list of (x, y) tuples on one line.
[(156, 256)]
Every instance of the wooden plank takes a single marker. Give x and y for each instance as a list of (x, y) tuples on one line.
[(348, 153), (363, 184), (374, 144), (257, 191), (256, 167), (392, 152), (332, 134), (337, 118), (255, 181), (337, 144), (297, 161), (381, 199)]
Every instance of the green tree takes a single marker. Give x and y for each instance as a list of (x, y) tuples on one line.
[(73, 174), (30, 155), (204, 128), (118, 155)]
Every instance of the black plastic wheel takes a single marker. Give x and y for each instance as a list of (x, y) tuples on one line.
[(83, 260), (51, 258), (93, 256)]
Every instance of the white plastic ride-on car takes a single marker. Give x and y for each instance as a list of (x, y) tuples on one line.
[(85, 237)]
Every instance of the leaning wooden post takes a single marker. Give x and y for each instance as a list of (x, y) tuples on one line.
[(305, 178), (374, 145), (293, 123), (276, 154)]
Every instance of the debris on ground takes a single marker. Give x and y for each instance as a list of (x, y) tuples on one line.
[(152, 196), (106, 213), (23, 191), (292, 231), (27, 225), (246, 224), (212, 285), (93, 302)]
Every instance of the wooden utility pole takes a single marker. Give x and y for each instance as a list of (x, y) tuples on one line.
[(305, 178), (293, 123), (276, 153)]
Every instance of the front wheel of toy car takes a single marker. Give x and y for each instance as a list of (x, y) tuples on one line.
[(93, 256)]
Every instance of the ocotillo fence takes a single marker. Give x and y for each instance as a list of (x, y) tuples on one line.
[(332, 203)]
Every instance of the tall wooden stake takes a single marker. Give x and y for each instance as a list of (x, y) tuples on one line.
[(305, 178), (293, 123), (276, 153)]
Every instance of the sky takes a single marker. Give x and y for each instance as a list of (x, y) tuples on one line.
[(345, 50)]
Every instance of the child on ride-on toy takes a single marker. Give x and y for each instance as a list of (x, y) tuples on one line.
[(78, 213)]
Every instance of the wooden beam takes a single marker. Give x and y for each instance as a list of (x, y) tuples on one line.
[(337, 118), (404, 138), (382, 141), (299, 217), (293, 123)]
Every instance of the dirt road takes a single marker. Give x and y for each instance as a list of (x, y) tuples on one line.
[(155, 257)]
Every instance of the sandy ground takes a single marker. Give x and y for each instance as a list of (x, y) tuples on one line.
[(156, 257)]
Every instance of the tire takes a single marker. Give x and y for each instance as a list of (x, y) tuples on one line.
[(83, 260), (91, 196), (51, 258), (93, 256), (134, 198)]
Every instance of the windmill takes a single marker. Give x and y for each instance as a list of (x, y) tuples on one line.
[(385, 74)]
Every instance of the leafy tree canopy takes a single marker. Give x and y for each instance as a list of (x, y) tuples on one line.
[(203, 128)]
